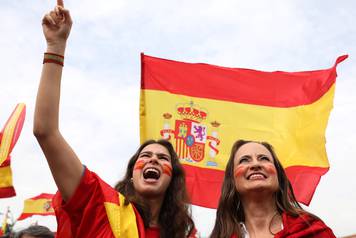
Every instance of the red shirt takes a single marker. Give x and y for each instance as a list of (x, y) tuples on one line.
[(152, 232), (304, 226), (84, 215)]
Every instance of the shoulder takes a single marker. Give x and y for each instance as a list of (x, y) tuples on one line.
[(91, 185), (305, 224)]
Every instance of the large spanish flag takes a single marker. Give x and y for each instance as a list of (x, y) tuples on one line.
[(39, 205), (203, 109), (8, 138)]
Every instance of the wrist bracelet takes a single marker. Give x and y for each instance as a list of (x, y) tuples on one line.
[(53, 58)]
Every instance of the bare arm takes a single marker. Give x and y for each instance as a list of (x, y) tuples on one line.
[(65, 166)]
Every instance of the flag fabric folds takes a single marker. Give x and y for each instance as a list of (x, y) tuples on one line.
[(8, 138), (203, 109), (39, 205)]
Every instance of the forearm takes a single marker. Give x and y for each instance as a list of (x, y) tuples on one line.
[(47, 102)]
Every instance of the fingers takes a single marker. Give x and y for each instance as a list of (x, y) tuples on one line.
[(60, 3), (58, 16), (48, 20), (54, 17), (63, 14)]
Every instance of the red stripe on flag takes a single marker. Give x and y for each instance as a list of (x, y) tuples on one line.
[(277, 89), (43, 196), (7, 162), (26, 215), (7, 192), (203, 185), (304, 180)]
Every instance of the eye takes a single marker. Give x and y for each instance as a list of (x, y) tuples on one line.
[(265, 158), (145, 155), (243, 160), (164, 157)]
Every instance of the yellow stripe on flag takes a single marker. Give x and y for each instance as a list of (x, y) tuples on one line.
[(5, 177), (37, 206), (297, 133), (122, 219)]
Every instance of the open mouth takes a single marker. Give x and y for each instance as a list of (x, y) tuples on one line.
[(151, 173), (254, 176)]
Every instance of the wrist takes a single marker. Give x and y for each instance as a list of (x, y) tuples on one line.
[(53, 58), (57, 48)]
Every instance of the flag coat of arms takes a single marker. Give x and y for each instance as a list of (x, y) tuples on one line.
[(39, 205), (8, 138), (203, 109)]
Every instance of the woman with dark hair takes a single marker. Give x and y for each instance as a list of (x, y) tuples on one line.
[(35, 231), (151, 201), (257, 199), (174, 205)]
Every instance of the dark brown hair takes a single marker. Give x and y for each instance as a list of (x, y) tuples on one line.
[(175, 217), (230, 210), (36, 231)]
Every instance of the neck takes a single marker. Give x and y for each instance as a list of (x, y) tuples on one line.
[(155, 205), (261, 215)]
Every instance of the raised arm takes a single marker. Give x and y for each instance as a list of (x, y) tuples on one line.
[(65, 166)]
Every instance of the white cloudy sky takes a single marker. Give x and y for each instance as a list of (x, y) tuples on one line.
[(99, 107)]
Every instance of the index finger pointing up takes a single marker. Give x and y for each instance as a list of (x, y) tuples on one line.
[(60, 3)]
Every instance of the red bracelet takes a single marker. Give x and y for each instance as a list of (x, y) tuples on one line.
[(53, 58)]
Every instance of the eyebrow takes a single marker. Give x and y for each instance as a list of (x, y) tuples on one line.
[(258, 156), (158, 154), (146, 152)]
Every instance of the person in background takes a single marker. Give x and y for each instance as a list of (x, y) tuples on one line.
[(151, 201), (35, 231), (257, 199)]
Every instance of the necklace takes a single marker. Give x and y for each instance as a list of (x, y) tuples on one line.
[(271, 222)]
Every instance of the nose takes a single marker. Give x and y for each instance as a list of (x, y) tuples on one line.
[(255, 165), (153, 159)]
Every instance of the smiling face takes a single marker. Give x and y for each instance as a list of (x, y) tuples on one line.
[(152, 172), (254, 169)]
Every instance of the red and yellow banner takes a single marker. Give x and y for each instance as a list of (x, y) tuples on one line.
[(8, 138), (203, 109), (39, 205)]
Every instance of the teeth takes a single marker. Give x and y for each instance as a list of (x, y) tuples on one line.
[(151, 169), (151, 173), (256, 176)]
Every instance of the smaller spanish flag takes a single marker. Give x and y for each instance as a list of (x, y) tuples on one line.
[(5, 228), (39, 205), (8, 138)]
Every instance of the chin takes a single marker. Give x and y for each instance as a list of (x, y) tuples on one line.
[(261, 188), (149, 192)]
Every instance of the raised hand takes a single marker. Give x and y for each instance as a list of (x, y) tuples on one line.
[(65, 166), (56, 28)]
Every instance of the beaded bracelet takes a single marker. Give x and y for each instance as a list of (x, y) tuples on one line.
[(53, 58)]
